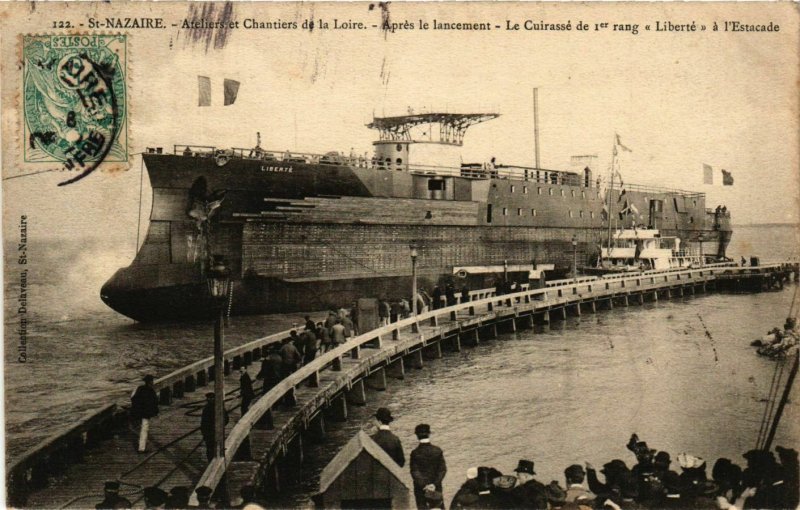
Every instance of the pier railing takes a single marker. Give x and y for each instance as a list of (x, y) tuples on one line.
[(536, 299)]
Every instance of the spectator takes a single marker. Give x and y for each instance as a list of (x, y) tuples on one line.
[(144, 406), (246, 390), (339, 333), (111, 498)]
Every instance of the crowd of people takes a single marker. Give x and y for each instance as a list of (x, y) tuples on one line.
[(778, 343), (177, 497), (765, 482)]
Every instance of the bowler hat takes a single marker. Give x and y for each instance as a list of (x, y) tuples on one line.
[(111, 486), (525, 466), (574, 471), (663, 458), (148, 378), (204, 492), (422, 430), (384, 415), (614, 466), (154, 496)]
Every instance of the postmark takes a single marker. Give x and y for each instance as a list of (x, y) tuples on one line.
[(74, 102)]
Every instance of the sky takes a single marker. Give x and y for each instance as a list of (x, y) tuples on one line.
[(678, 100)]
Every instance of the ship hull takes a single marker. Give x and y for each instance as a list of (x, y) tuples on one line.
[(303, 237)]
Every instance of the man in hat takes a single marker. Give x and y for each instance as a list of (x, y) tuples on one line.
[(154, 497), (386, 439), (204, 497), (178, 497), (575, 476), (112, 499), (427, 467), (271, 366), (207, 425), (144, 406), (467, 494), (529, 492), (246, 389), (613, 471)]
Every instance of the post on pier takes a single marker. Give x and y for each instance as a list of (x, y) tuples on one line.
[(397, 368), (377, 379), (357, 394)]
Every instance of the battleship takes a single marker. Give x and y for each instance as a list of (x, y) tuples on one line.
[(304, 232)]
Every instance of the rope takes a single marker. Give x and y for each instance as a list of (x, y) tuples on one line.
[(139, 218), (230, 301), (777, 375)]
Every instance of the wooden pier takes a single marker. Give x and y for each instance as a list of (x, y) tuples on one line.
[(68, 470)]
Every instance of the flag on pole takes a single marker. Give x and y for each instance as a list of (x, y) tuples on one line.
[(204, 87), (727, 178), (708, 174), (619, 143), (231, 90)]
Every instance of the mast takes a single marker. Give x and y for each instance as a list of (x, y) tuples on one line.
[(610, 193), (786, 390), (536, 125)]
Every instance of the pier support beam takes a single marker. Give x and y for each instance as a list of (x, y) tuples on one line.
[(578, 309), (564, 312), (594, 306), (455, 342), (655, 295), (316, 427), (641, 298), (397, 369), (338, 408), (513, 325), (416, 359), (611, 303), (669, 294), (357, 395), (377, 380), (433, 350), (625, 299)]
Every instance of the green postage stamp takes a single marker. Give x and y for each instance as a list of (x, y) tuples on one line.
[(74, 102)]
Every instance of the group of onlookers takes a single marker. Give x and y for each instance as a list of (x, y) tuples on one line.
[(765, 482)]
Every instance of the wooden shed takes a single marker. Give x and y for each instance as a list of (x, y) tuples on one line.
[(362, 475)]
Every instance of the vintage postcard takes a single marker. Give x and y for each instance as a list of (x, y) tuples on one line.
[(400, 255)]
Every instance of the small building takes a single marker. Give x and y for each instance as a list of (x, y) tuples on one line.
[(362, 475)]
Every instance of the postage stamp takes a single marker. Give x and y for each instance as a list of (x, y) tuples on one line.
[(74, 101)]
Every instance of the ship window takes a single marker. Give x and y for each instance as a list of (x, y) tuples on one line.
[(399, 148), (524, 190), (562, 192), (399, 161), (505, 211), (583, 194), (591, 214), (533, 212), (580, 214), (538, 191), (694, 203), (691, 219), (572, 192), (512, 188), (435, 184), (488, 213), (519, 212), (570, 213), (550, 191)]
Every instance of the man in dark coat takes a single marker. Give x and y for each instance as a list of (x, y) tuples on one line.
[(465, 294), (246, 390), (386, 439), (310, 326), (207, 425), (154, 497), (427, 468), (310, 345), (450, 294), (271, 366), (144, 406), (112, 499), (437, 298), (529, 492)]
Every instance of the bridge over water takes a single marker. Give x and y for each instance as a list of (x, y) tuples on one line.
[(68, 469)]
